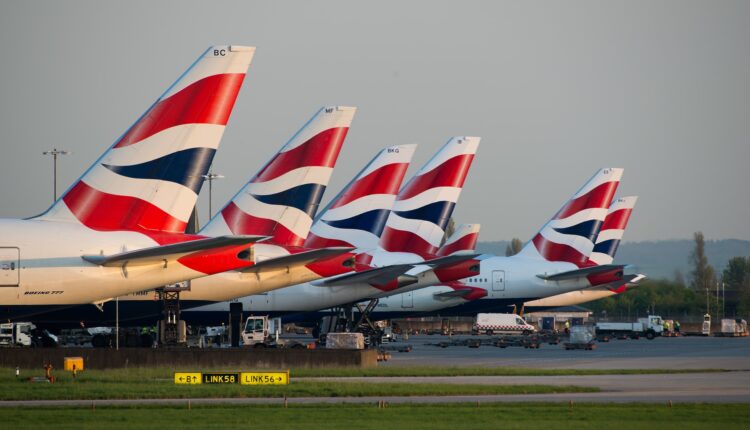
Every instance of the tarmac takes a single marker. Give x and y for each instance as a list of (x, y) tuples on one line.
[(660, 353), (731, 386)]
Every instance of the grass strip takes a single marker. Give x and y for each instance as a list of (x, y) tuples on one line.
[(411, 416), (147, 384)]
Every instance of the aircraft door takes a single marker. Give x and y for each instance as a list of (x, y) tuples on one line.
[(10, 267), (407, 300), (498, 280)]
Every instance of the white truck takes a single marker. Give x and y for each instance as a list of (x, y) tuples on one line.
[(25, 334), (491, 324), (16, 334), (263, 332), (650, 327)]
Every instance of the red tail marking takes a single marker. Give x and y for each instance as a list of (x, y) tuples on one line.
[(599, 197), (320, 150), (207, 101), (101, 211), (465, 243), (394, 240), (552, 251), (451, 173), (384, 180), (617, 220), (240, 222)]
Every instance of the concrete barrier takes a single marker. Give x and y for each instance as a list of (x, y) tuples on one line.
[(241, 359)]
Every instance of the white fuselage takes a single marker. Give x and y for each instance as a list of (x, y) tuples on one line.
[(50, 270), (504, 278)]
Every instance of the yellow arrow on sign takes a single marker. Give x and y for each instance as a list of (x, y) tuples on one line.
[(264, 378), (187, 378)]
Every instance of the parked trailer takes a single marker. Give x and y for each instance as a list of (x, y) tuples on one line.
[(581, 337), (533, 341), (731, 327)]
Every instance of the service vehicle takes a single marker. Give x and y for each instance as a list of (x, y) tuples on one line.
[(650, 326), (25, 334), (501, 324), (263, 332)]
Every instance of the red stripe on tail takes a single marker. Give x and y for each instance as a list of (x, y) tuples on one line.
[(314, 241), (105, 212), (394, 240), (599, 197), (451, 173), (240, 222), (320, 150), (617, 220), (207, 101), (384, 180), (465, 243), (552, 251)]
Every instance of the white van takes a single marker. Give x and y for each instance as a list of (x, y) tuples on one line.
[(501, 324)]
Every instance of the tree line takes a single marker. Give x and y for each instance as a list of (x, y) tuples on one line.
[(725, 294)]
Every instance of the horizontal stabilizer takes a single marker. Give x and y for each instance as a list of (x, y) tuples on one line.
[(580, 273), (158, 254), (452, 294), (301, 258), (377, 276), (449, 260), (630, 280)]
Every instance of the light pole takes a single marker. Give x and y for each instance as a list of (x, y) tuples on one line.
[(54, 153), (210, 178)]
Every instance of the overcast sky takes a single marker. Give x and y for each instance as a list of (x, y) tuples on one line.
[(555, 89)]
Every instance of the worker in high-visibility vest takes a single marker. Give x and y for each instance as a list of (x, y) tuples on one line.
[(677, 327), (567, 326), (666, 326)]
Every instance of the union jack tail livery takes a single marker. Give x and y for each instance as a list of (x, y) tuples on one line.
[(569, 236), (612, 230), (425, 204), (463, 239), (282, 199), (149, 180), (357, 215)]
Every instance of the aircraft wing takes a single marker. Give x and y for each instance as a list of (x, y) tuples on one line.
[(300, 258), (580, 273), (158, 254)]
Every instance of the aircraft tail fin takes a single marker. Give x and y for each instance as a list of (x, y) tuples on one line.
[(357, 215), (569, 236), (149, 179), (463, 239), (282, 199), (612, 230), (425, 204)]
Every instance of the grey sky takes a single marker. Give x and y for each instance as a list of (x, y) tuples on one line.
[(556, 90)]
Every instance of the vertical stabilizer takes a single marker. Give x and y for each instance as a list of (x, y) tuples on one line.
[(569, 236), (357, 215), (149, 180), (463, 239), (612, 230), (282, 199), (425, 204)]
